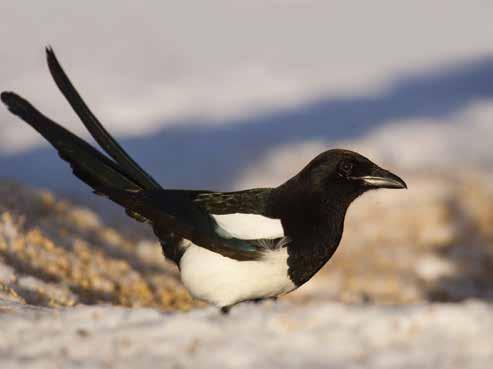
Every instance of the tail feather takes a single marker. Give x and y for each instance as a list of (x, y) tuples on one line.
[(88, 164), (100, 134)]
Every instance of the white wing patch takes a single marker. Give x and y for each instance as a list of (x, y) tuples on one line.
[(248, 226)]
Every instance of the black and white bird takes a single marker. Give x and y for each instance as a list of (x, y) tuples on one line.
[(230, 247)]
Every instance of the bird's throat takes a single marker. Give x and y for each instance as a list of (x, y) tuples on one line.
[(313, 244)]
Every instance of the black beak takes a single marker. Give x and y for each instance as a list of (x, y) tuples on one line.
[(381, 178)]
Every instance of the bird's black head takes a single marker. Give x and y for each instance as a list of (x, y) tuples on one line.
[(346, 174), (327, 185)]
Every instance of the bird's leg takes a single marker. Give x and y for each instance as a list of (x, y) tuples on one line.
[(259, 300), (225, 310)]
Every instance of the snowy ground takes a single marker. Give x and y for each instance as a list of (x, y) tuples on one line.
[(452, 336)]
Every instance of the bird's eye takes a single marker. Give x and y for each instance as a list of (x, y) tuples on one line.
[(346, 167)]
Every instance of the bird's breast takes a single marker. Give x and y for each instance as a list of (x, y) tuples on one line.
[(224, 281)]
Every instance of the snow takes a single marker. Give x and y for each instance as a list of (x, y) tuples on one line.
[(462, 141), (145, 67), (278, 335), (184, 87)]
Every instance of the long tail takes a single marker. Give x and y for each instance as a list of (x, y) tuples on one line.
[(102, 137), (90, 165)]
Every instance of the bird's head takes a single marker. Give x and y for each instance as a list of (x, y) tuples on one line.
[(346, 173)]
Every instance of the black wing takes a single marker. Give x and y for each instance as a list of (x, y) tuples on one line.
[(174, 210), (253, 201)]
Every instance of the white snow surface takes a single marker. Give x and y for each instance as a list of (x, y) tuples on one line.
[(278, 335), (142, 66), (459, 143), (236, 82)]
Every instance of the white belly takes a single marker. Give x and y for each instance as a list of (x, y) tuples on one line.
[(224, 281)]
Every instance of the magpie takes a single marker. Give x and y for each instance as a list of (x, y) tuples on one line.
[(230, 247)]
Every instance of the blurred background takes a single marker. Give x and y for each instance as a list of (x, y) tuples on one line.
[(209, 95), (229, 95)]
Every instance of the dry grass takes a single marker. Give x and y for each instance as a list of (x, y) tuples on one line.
[(61, 255)]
